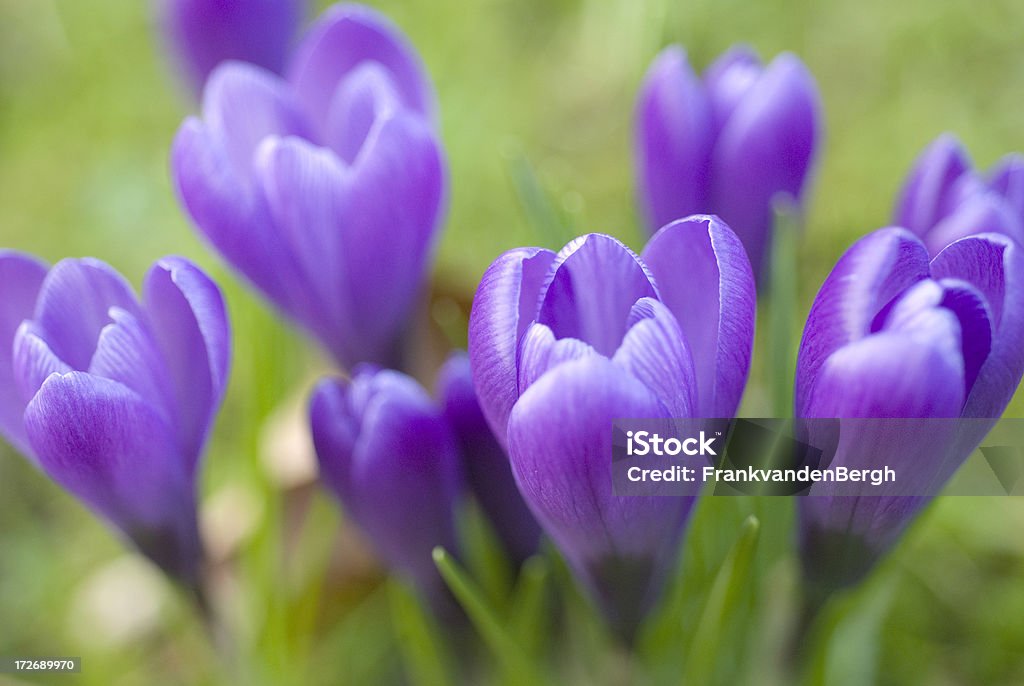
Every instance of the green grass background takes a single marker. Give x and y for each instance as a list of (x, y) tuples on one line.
[(536, 99)]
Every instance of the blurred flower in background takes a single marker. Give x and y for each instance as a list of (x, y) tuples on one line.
[(562, 344), (486, 465), (944, 198), (200, 34), (381, 433), (325, 190), (891, 334), (389, 455), (727, 143), (113, 398)]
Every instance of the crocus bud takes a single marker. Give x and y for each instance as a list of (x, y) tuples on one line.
[(387, 452), (726, 144), (112, 397), (324, 190), (485, 463), (944, 198), (894, 334), (203, 33), (562, 344)]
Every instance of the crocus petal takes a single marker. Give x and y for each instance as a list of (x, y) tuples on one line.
[(329, 217), (242, 105), (230, 214), (33, 362), (74, 305), (335, 432), (972, 311), (189, 322), (729, 79), (561, 451), (593, 284), (303, 186), (655, 352), (365, 96), (891, 375), (766, 148), (204, 33), (21, 276), (705, 279), (560, 447), (504, 306), (344, 37), (1007, 179), (964, 301), (985, 212), (925, 199), (484, 461), (540, 352), (869, 275), (392, 208), (401, 477), (127, 353), (112, 450), (994, 265), (673, 140)]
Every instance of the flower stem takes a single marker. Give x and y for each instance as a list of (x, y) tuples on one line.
[(782, 312)]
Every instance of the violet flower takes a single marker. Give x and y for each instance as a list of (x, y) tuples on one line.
[(727, 143), (389, 455), (203, 33), (112, 397), (894, 334), (562, 344), (324, 190), (485, 463), (944, 198)]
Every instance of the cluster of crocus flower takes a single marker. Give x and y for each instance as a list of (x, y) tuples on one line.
[(302, 184), (563, 343), (112, 397), (729, 143), (306, 169)]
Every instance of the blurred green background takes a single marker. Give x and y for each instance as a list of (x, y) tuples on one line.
[(536, 99)]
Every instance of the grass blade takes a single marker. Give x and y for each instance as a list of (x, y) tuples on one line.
[(516, 666), (722, 607), (417, 636), (529, 604)]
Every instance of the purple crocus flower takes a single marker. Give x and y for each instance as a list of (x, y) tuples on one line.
[(944, 198), (112, 397), (895, 334), (324, 190), (203, 33), (562, 344), (485, 463), (726, 144), (388, 453)]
